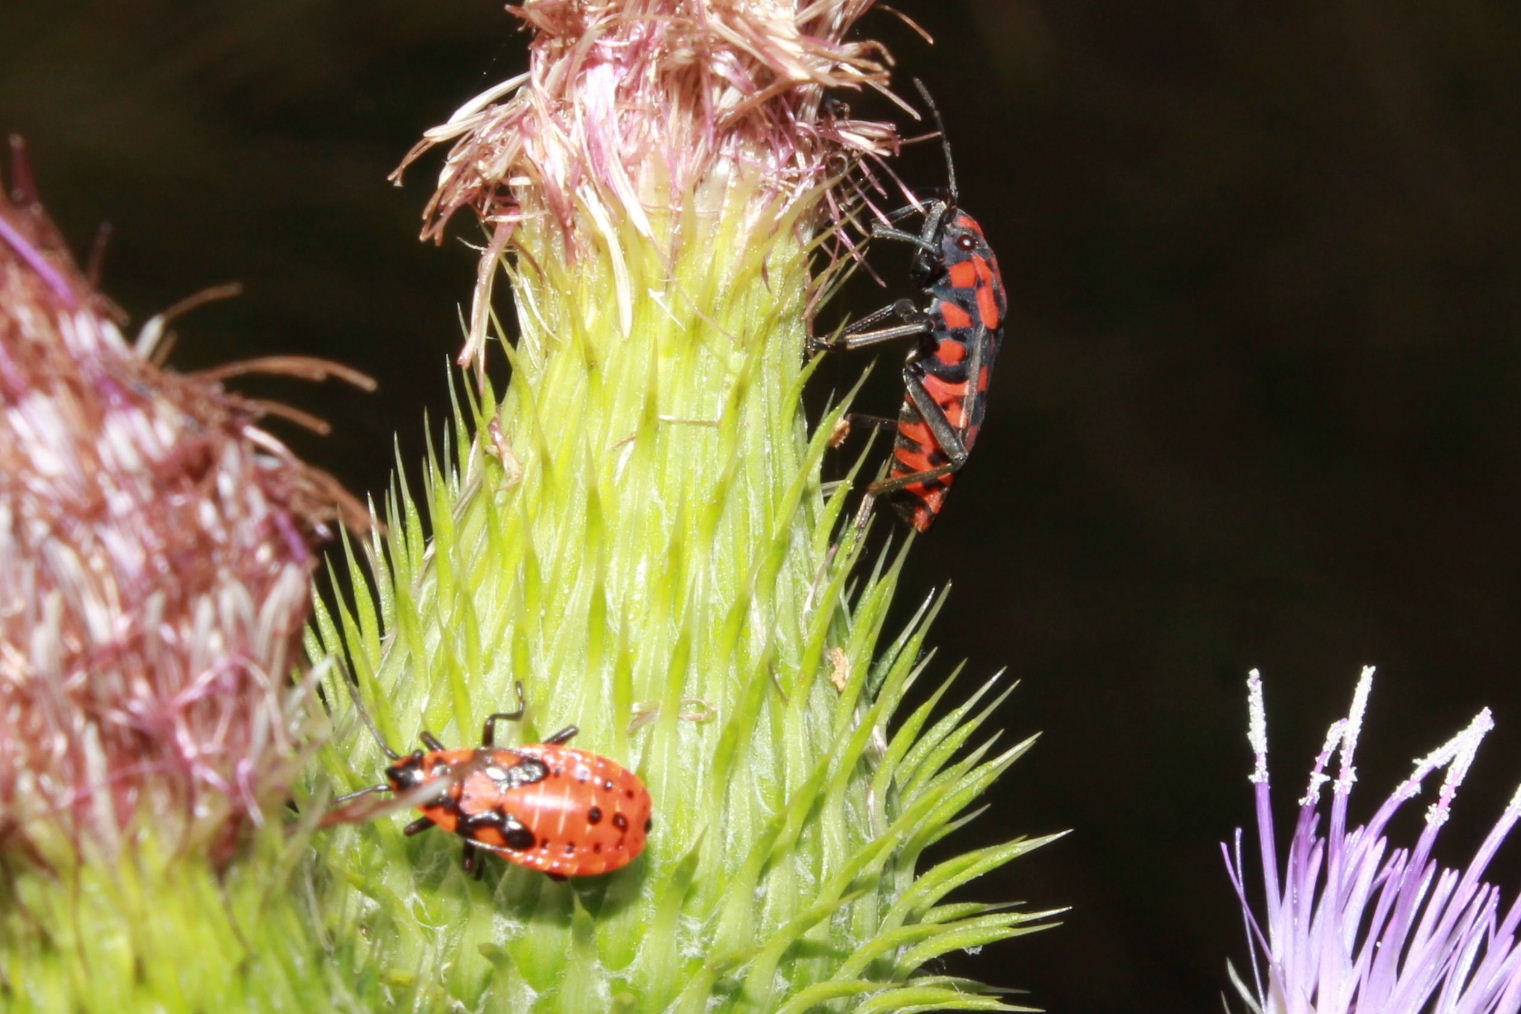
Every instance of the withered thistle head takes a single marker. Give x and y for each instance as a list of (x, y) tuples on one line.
[(154, 584), (635, 112)]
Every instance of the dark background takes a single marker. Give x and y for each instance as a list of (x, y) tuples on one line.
[(1257, 405)]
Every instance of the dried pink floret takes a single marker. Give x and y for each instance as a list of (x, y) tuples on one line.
[(157, 554), (630, 108)]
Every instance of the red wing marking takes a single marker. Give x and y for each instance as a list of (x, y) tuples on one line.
[(954, 316), (962, 274), (951, 352), (987, 307)]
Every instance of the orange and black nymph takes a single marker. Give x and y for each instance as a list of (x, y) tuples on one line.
[(546, 806)]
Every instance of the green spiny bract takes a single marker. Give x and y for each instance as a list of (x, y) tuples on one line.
[(637, 531)]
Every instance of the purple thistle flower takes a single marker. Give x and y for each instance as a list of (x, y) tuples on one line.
[(1352, 924)]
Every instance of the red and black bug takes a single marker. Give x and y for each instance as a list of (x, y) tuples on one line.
[(546, 806), (958, 327)]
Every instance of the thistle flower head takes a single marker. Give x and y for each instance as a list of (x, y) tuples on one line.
[(155, 577), (1351, 923), (635, 110), (638, 532)]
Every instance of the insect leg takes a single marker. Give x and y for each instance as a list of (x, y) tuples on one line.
[(879, 421), (934, 215), (947, 439), (863, 331), (362, 792), (488, 733), (563, 735), (882, 232), (897, 482), (470, 861)]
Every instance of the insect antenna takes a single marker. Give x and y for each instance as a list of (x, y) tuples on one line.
[(364, 713), (945, 142)]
